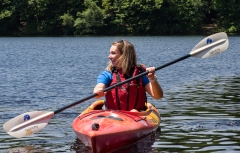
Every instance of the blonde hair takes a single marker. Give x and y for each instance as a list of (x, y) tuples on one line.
[(128, 58)]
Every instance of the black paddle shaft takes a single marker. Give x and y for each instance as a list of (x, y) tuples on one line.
[(121, 83)]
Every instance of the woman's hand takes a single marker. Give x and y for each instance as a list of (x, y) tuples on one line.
[(153, 87), (151, 73), (99, 90), (100, 93)]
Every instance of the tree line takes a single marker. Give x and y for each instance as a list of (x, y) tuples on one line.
[(118, 17)]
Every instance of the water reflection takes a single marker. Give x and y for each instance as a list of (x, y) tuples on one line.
[(142, 146), (27, 149), (202, 117)]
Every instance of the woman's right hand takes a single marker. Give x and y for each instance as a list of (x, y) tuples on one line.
[(100, 93), (99, 90)]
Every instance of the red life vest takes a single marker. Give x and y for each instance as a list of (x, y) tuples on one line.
[(128, 96)]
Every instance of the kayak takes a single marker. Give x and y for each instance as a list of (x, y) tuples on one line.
[(103, 131)]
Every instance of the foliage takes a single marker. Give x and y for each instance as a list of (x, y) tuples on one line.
[(7, 18), (90, 20), (131, 17), (228, 16), (67, 23), (118, 17)]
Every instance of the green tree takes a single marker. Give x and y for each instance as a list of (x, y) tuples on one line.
[(131, 16), (8, 18), (114, 17), (67, 23), (183, 16), (43, 17), (90, 21), (35, 11), (228, 16)]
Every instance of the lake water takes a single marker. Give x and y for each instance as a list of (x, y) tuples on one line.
[(199, 110)]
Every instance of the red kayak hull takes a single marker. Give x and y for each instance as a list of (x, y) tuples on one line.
[(103, 131)]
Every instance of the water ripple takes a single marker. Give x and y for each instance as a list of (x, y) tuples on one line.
[(200, 108)]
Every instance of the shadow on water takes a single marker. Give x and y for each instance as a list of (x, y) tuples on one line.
[(27, 149), (142, 146)]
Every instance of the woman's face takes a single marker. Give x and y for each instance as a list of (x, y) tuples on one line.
[(114, 55)]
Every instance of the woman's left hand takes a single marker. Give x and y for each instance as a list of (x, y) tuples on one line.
[(153, 87), (151, 73)]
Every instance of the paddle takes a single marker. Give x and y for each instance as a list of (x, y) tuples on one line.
[(32, 122)]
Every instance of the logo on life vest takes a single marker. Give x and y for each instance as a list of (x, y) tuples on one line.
[(122, 88)]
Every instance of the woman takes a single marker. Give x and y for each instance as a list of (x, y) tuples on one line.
[(123, 65)]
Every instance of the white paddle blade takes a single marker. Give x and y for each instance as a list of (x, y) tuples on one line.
[(211, 46), (27, 123)]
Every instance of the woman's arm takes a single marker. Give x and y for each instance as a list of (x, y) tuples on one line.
[(103, 81)]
